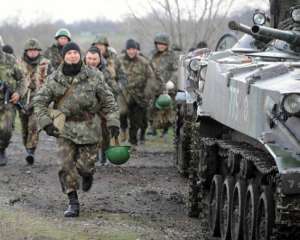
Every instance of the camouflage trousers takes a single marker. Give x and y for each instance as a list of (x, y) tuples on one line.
[(75, 161), (137, 120), (7, 119), (162, 119), (29, 130)]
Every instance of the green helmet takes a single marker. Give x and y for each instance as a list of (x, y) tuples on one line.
[(118, 154), (63, 32), (101, 40), (163, 101), (162, 38), (32, 44)]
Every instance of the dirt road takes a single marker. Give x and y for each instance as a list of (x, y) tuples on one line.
[(143, 199)]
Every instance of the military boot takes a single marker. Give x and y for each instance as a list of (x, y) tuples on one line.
[(73, 208), (3, 158), (87, 182), (30, 156)]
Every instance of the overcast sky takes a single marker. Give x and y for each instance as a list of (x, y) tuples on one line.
[(72, 10)]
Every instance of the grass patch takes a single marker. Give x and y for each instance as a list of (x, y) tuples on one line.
[(22, 225)]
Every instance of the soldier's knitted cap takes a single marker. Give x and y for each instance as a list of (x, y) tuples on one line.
[(130, 43), (8, 49), (94, 49), (70, 46)]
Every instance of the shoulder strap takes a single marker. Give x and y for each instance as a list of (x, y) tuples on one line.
[(67, 93)]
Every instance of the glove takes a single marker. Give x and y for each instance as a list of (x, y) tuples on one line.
[(114, 131), (51, 130)]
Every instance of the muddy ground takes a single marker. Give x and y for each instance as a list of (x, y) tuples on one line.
[(143, 199)]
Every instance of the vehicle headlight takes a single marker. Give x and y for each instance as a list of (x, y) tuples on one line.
[(295, 14), (203, 72), (259, 18), (291, 104), (195, 65)]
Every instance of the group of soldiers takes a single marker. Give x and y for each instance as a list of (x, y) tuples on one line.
[(95, 96)]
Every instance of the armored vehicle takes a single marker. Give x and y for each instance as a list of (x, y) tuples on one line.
[(239, 139), (191, 80)]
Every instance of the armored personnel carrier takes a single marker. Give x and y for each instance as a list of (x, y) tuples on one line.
[(240, 137), (191, 81)]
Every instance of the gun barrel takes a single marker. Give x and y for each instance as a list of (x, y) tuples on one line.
[(290, 37), (233, 25)]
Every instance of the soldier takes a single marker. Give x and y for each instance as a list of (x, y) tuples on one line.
[(35, 69), (165, 64), (117, 72), (79, 94), (53, 53), (94, 59), (139, 73), (10, 92)]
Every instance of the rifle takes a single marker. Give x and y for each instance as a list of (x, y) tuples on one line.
[(7, 92)]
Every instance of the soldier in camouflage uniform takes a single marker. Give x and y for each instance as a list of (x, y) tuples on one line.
[(165, 64), (35, 69), (94, 59), (11, 76), (79, 94), (139, 73), (53, 53), (117, 72)]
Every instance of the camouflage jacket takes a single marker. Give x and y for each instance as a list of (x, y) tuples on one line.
[(165, 65), (115, 67), (54, 55), (87, 98), (139, 73), (11, 74), (34, 76), (112, 83)]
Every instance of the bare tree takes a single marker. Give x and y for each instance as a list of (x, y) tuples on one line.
[(187, 22)]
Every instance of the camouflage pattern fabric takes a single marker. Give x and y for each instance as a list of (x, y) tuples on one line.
[(7, 119), (35, 74), (29, 130), (90, 97), (53, 53), (75, 161), (11, 74), (165, 65), (139, 73), (115, 67)]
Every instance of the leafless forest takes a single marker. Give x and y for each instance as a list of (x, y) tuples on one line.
[(186, 23)]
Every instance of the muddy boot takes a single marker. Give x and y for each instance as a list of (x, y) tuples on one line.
[(30, 156), (3, 158), (87, 182), (73, 208)]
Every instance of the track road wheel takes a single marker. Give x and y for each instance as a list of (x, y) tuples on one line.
[(238, 206), (250, 212), (265, 215), (225, 208), (214, 205)]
